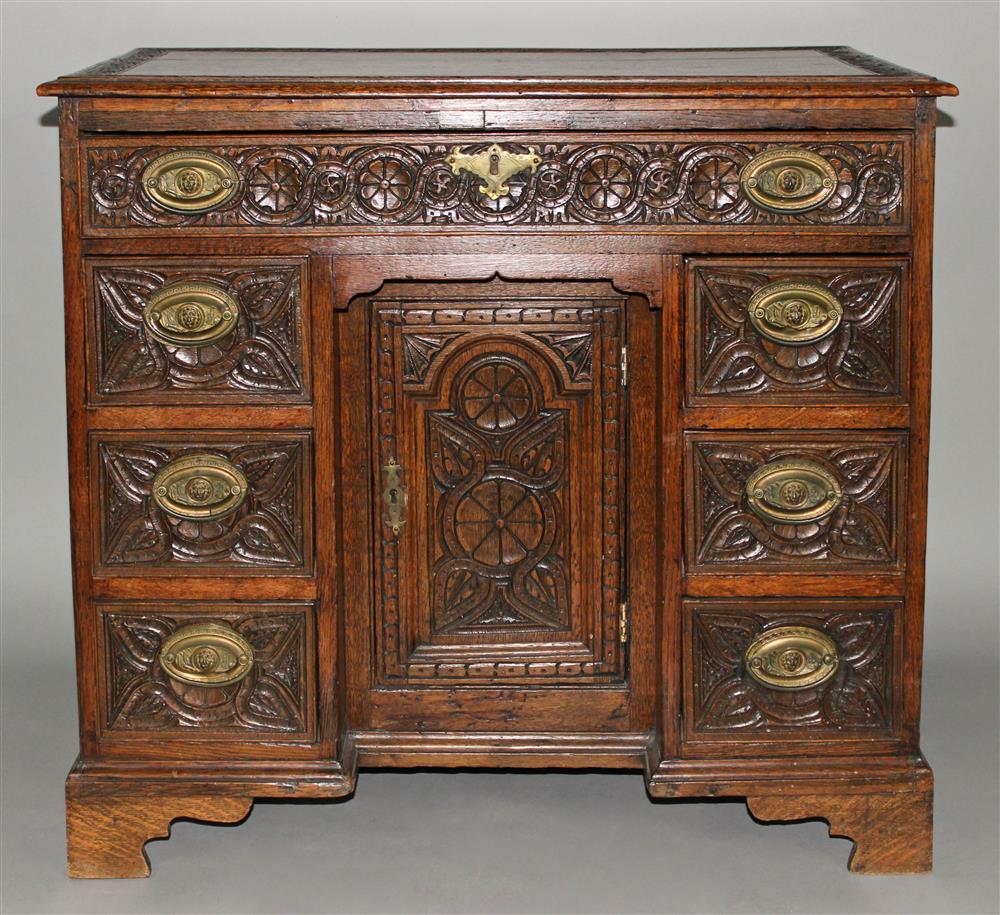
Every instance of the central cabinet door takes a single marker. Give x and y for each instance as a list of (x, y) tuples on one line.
[(499, 435)]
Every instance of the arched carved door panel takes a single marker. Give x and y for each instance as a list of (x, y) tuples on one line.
[(500, 447)]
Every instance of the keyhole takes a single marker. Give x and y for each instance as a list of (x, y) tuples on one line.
[(494, 164), (393, 493)]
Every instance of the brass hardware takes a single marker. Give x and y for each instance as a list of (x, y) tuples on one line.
[(394, 496), (624, 366), (793, 492), (788, 180), (199, 487), (794, 312), (623, 622), (792, 657), (190, 314), (190, 181), (206, 654), (495, 166)]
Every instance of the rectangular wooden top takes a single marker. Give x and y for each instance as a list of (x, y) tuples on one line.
[(682, 72)]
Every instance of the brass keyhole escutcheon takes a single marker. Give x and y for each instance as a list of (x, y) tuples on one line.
[(394, 496), (495, 166)]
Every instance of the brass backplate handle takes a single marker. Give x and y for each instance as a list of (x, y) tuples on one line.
[(794, 312), (187, 314), (788, 180), (190, 181), (206, 654), (200, 487), (792, 657), (495, 166), (394, 496), (793, 491)]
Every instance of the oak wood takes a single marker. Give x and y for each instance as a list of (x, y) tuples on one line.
[(892, 833), (105, 837), (364, 298)]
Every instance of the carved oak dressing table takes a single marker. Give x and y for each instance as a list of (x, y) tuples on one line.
[(521, 409)]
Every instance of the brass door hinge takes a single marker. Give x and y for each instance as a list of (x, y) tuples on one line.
[(624, 366), (623, 622)]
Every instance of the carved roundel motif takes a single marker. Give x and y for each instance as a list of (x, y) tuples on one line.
[(496, 397), (499, 522), (276, 184), (386, 185), (606, 183)]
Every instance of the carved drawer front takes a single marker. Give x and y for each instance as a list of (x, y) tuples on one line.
[(788, 670), (185, 331), (500, 446), (761, 179), (208, 671), (795, 501), (796, 331), (176, 503)]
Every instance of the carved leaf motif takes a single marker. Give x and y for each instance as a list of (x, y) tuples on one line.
[(135, 366), (265, 540), (863, 469), (126, 292), (265, 292), (261, 366), (577, 351), (139, 638), (419, 351)]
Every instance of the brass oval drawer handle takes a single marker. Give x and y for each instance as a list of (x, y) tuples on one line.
[(206, 654), (792, 657), (794, 312), (793, 492), (190, 181), (200, 487), (190, 314), (788, 180), (495, 166)]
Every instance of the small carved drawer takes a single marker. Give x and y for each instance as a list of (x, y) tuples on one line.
[(795, 501), (764, 179), (173, 503), (793, 331), (184, 331), (208, 671), (786, 670)]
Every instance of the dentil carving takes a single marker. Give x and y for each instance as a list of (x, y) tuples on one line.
[(726, 698), (260, 354), (272, 697), (625, 183), (266, 531), (861, 528), (860, 355)]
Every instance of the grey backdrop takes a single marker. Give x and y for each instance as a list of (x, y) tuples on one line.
[(496, 842)]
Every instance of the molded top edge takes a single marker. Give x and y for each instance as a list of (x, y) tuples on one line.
[(681, 72)]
